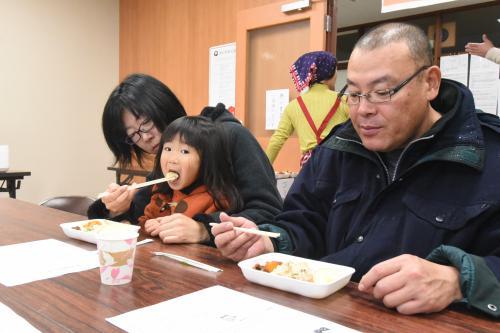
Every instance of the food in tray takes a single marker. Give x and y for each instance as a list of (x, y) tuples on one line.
[(297, 270), (87, 230), (268, 267), (89, 226), (324, 275), (285, 274)]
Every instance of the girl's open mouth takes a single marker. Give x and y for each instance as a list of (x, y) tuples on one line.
[(172, 176)]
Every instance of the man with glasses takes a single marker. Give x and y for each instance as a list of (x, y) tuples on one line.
[(406, 192)]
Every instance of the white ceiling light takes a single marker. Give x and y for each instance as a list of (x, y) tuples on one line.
[(296, 5)]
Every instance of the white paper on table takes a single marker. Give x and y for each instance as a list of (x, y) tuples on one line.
[(483, 83), (12, 322), (276, 101), (43, 259), (455, 67), (222, 74), (219, 309)]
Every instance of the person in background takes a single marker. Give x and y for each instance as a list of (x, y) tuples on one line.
[(406, 192), (486, 49), (195, 149), (135, 115), (317, 109)]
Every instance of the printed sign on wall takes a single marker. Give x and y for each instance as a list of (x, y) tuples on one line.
[(222, 75)]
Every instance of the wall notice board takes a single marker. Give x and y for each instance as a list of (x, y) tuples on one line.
[(481, 75), (222, 75)]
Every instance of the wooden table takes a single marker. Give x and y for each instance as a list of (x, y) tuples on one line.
[(11, 177), (78, 302)]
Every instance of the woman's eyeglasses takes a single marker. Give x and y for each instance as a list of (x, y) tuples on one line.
[(379, 96), (145, 127)]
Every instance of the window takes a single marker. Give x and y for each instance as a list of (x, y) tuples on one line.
[(345, 44)]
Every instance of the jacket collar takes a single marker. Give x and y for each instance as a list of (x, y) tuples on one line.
[(455, 137)]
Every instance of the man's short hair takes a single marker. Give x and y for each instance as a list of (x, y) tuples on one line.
[(412, 36)]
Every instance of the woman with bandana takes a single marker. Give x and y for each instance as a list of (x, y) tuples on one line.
[(317, 109)]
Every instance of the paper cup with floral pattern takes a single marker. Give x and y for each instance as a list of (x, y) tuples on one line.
[(116, 249)]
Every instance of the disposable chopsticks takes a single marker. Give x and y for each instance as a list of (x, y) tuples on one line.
[(149, 183), (188, 261), (254, 231)]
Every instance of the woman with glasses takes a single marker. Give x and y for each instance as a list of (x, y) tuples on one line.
[(135, 115)]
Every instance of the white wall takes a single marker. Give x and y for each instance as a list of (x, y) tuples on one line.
[(58, 64)]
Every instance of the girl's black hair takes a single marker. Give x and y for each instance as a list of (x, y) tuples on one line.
[(142, 95), (216, 168)]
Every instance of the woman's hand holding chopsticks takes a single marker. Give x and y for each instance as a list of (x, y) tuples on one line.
[(118, 199)]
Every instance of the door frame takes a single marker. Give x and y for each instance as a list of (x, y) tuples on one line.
[(267, 16)]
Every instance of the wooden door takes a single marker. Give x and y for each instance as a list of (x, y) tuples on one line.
[(268, 42)]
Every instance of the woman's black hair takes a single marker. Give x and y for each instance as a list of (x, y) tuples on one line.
[(142, 95), (216, 168)]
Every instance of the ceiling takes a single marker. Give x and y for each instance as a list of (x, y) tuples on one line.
[(355, 12)]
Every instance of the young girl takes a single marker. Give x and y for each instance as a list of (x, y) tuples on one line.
[(194, 148)]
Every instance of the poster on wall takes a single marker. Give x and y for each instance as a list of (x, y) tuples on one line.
[(479, 74), (483, 82), (395, 5), (454, 67), (276, 101), (222, 75)]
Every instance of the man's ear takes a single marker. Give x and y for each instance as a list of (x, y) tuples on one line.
[(433, 81)]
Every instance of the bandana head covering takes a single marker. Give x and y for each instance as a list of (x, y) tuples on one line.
[(311, 68)]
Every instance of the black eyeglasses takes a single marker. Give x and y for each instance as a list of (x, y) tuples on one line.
[(379, 96), (145, 127)]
